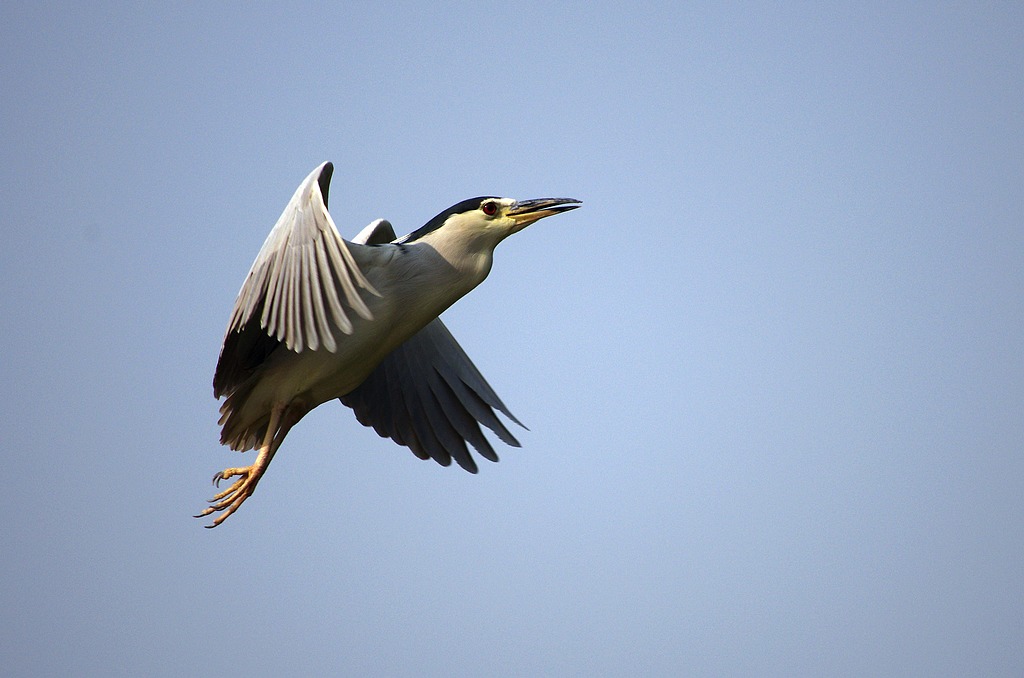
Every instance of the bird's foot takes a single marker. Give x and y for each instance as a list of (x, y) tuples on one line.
[(228, 501)]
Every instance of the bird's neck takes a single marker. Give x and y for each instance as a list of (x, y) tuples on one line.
[(468, 253)]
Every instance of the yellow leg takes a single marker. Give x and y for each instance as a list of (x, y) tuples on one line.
[(228, 501)]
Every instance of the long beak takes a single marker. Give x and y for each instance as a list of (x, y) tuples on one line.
[(525, 212)]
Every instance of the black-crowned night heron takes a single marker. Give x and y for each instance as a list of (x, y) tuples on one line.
[(320, 318)]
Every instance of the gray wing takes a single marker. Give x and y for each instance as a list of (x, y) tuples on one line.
[(428, 395), (302, 286)]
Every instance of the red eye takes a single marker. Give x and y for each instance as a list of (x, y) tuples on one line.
[(489, 208)]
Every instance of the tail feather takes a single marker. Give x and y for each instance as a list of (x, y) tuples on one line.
[(237, 432)]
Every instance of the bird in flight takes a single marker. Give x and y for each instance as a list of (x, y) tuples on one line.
[(319, 317)]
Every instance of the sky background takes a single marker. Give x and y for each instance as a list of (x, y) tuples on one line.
[(772, 369)]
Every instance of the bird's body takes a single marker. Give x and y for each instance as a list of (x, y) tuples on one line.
[(416, 273), (320, 318)]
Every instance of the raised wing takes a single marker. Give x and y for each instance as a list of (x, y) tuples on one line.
[(427, 394), (379, 232), (303, 284)]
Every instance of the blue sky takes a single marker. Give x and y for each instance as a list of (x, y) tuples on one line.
[(771, 369)]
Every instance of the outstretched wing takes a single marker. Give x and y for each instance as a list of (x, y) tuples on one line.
[(427, 394), (303, 284)]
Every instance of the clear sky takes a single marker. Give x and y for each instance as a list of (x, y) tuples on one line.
[(772, 369)]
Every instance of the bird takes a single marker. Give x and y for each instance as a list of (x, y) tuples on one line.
[(320, 318)]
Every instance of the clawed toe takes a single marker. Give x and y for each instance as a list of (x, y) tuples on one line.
[(228, 501), (229, 473)]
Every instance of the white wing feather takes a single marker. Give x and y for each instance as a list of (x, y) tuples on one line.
[(305, 276)]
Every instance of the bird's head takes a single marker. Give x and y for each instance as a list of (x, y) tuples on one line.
[(491, 219)]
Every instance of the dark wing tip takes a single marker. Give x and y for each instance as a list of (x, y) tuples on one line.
[(325, 179)]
